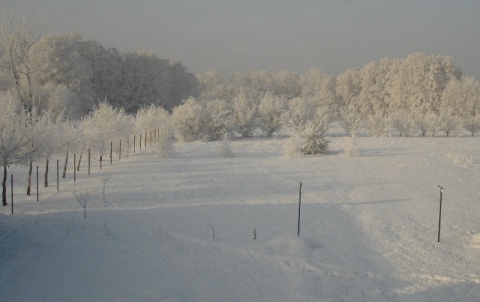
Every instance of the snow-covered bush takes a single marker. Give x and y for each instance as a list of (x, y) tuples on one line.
[(293, 146), (218, 120), (189, 119), (350, 119), (309, 138), (245, 114), (165, 148), (314, 141), (226, 146), (296, 116), (462, 160), (351, 146), (270, 111)]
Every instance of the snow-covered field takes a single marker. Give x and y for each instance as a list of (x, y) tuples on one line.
[(182, 228)]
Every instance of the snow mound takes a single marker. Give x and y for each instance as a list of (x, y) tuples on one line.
[(476, 241), (291, 246)]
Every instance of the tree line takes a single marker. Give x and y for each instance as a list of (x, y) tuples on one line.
[(68, 75)]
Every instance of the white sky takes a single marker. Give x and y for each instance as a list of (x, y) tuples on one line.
[(271, 35)]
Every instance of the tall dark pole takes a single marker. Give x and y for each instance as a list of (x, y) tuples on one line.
[(111, 152), (11, 189), (74, 173), (37, 183), (58, 176), (299, 206), (88, 161), (440, 213), (120, 151)]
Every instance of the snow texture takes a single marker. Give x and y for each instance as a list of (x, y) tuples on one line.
[(368, 226)]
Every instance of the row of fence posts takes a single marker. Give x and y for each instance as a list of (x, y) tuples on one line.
[(155, 137)]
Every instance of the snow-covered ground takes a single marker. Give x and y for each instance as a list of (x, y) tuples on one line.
[(182, 228)]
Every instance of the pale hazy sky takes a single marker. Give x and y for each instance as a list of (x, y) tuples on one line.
[(271, 35)]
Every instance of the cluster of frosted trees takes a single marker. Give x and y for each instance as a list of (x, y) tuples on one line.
[(28, 137), (67, 75), (416, 95)]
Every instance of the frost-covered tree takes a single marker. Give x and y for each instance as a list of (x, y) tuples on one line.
[(350, 118), (472, 124), (17, 136), (219, 120), (311, 83), (212, 86), (403, 122), (462, 97), (245, 115), (450, 123), (379, 124), (270, 113), (17, 38), (144, 81), (286, 84), (63, 72), (182, 84), (189, 120), (434, 122), (297, 115), (104, 125), (151, 118)]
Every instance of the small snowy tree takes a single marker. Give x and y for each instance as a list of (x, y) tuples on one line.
[(450, 123), (379, 125), (218, 120), (104, 125), (309, 138), (270, 111), (296, 116), (351, 146), (189, 120), (472, 124), (245, 114), (350, 118), (434, 122), (403, 123), (165, 148), (151, 118), (314, 141)]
